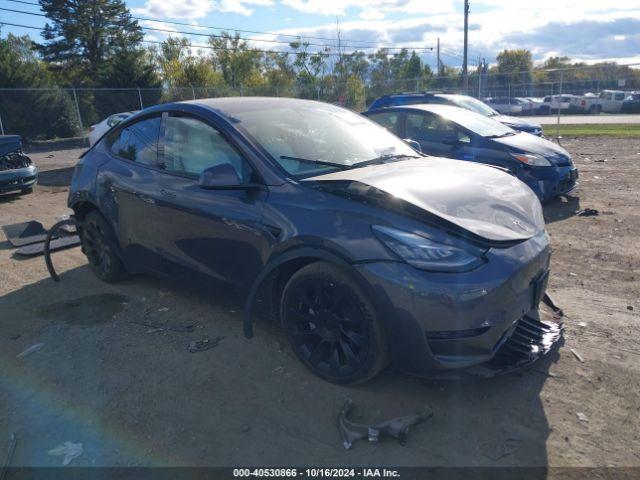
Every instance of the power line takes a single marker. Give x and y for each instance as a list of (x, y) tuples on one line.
[(297, 37), (197, 34), (208, 47)]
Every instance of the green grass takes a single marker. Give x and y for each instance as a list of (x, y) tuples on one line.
[(613, 130)]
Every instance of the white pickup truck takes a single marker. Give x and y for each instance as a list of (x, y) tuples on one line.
[(612, 100), (608, 101)]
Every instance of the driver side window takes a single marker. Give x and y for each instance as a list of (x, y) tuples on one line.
[(432, 128), (191, 146)]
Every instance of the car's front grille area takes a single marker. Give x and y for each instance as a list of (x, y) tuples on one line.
[(568, 182)]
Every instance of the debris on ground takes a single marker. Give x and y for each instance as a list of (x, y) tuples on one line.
[(351, 431), (582, 417), (30, 350), (630, 308), (68, 450), (571, 274), (600, 160), (587, 212), (163, 309), (577, 355), (155, 327), (6, 461), (203, 344), (582, 324)]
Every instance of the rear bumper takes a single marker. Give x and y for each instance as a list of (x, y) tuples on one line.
[(441, 322), (18, 179)]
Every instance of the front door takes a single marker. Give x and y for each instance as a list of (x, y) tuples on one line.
[(217, 232)]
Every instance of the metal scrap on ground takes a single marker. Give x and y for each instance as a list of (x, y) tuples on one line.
[(351, 431), (204, 344)]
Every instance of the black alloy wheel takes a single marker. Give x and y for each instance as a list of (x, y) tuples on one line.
[(99, 246), (332, 325)]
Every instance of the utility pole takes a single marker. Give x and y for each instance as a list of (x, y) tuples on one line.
[(438, 56), (465, 73)]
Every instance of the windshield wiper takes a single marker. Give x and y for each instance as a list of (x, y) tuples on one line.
[(382, 159), (319, 162)]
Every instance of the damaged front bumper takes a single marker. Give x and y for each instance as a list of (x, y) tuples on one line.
[(18, 178), (482, 322)]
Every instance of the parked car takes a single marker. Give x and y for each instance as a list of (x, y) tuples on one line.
[(505, 105), (462, 101), (631, 104), (17, 171), (99, 129), (612, 100), (589, 103), (452, 132), (553, 103), (367, 250)]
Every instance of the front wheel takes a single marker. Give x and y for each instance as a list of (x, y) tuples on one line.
[(332, 325), (99, 245)]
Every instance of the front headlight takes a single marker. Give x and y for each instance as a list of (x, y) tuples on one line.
[(532, 159), (425, 253)]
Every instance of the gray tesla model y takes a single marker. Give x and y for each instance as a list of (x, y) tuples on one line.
[(371, 252)]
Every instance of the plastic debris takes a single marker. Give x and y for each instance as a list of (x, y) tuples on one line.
[(577, 355), (351, 431), (582, 417), (30, 350), (204, 344), (68, 450), (587, 212)]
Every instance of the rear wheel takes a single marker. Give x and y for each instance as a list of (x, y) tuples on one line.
[(332, 325), (99, 245)]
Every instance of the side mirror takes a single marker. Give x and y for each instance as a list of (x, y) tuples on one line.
[(413, 144), (450, 140), (219, 176)]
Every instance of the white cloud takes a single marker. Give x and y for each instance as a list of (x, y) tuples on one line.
[(193, 9), (370, 9)]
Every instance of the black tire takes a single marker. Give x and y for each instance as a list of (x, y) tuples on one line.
[(332, 325), (595, 110), (100, 246)]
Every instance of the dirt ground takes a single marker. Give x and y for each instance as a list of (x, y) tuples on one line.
[(110, 377)]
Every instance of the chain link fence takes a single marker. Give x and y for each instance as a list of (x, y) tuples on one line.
[(45, 113)]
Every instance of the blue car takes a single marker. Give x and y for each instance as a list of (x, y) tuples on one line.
[(17, 172), (367, 251), (462, 101), (453, 132)]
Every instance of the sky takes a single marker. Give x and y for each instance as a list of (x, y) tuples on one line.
[(586, 30)]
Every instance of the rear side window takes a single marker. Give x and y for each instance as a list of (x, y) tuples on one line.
[(138, 142), (191, 146), (620, 96), (389, 120)]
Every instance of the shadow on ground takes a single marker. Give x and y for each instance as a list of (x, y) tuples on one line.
[(113, 376), (561, 208)]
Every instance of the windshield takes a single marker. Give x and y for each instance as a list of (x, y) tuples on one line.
[(483, 126), (474, 105), (308, 138)]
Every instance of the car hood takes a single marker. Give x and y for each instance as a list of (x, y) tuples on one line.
[(516, 123), (526, 143), (480, 199)]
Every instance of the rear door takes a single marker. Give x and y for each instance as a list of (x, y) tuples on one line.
[(217, 232), (130, 180)]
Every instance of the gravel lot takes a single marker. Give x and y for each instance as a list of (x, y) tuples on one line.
[(110, 377)]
